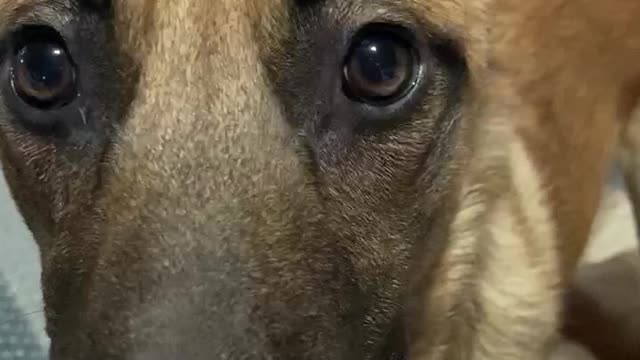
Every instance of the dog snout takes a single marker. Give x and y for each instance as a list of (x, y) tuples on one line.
[(209, 244), (195, 236), (216, 251)]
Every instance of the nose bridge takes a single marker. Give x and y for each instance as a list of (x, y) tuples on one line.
[(204, 118), (203, 170)]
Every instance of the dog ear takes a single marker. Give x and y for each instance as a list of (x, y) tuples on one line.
[(602, 308)]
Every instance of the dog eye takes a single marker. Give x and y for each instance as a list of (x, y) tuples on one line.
[(42, 72), (381, 67)]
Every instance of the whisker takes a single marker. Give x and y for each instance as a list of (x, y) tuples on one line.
[(20, 316)]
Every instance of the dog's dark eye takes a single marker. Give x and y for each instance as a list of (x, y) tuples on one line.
[(42, 73), (381, 67)]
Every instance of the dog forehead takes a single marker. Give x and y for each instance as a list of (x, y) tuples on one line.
[(193, 23), (138, 19)]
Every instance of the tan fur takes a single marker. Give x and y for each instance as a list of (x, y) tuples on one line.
[(573, 64), (500, 269), (211, 221)]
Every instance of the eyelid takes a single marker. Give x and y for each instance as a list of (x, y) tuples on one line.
[(423, 31), (56, 17)]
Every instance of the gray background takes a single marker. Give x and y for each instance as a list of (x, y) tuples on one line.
[(19, 285)]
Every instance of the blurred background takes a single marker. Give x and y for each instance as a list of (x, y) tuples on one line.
[(22, 333)]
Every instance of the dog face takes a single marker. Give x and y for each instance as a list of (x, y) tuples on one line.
[(235, 178)]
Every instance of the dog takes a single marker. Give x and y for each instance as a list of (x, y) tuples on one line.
[(303, 179)]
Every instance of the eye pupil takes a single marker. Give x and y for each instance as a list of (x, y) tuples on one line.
[(43, 75), (377, 61), (44, 64), (380, 67)]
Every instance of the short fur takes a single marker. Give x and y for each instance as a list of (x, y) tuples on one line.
[(215, 200)]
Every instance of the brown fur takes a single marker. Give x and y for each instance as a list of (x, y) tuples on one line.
[(202, 212), (573, 64)]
